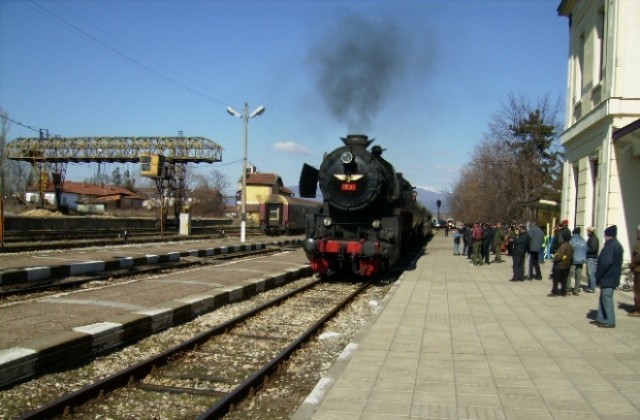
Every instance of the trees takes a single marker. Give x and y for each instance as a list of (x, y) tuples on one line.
[(518, 160), (4, 129), (14, 175), (123, 180), (207, 194)]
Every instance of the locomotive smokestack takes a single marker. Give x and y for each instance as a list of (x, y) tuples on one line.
[(357, 140)]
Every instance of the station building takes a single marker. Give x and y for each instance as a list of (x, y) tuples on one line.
[(601, 137), (259, 187)]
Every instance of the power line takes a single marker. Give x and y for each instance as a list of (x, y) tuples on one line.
[(120, 54), (37, 130), (42, 131), (125, 45)]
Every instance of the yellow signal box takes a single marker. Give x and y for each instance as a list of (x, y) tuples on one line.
[(151, 165)]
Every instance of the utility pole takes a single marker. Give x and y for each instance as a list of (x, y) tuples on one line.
[(245, 116), (3, 160), (43, 180)]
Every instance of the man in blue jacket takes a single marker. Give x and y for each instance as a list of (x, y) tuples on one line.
[(579, 246), (608, 272)]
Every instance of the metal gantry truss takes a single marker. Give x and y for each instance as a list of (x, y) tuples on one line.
[(113, 149), (54, 153)]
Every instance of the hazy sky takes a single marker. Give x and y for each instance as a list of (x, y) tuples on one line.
[(423, 77)]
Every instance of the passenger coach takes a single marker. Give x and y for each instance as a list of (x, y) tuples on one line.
[(282, 215)]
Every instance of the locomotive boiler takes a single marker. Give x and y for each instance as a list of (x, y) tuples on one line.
[(369, 215)]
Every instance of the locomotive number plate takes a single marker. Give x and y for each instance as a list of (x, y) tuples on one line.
[(351, 186)]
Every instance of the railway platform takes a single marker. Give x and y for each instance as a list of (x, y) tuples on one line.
[(37, 266), (457, 341), (57, 331)]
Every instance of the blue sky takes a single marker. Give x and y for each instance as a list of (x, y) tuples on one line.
[(434, 73)]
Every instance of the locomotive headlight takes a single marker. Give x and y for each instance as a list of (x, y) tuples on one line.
[(346, 157), (327, 221), (376, 224)]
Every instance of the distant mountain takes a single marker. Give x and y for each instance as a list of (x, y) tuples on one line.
[(429, 197)]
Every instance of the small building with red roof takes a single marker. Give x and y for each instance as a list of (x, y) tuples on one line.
[(83, 197)]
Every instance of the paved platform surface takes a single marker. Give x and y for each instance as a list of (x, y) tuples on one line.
[(455, 341)]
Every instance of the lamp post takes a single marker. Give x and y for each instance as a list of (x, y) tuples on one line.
[(245, 116)]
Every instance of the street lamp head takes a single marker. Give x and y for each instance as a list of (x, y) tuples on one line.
[(233, 112), (259, 110)]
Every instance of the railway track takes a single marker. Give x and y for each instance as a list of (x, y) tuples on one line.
[(207, 375), (41, 240)]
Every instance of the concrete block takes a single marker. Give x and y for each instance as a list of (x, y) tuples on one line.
[(62, 350), (16, 363), (161, 318), (35, 274), (104, 335), (86, 267), (134, 326)]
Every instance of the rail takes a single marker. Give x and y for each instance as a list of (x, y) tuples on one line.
[(139, 371)]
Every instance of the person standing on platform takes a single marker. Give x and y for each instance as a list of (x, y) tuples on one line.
[(465, 238), (608, 274), (467, 235), (593, 244), (562, 260), (511, 236), (487, 243), (498, 241), (634, 265), (477, 233), (456, 242), (520, 248), (579, 246), (536, 239)]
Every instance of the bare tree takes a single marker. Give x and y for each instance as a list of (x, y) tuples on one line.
[(207, 194), (4, 121), (518, 160)]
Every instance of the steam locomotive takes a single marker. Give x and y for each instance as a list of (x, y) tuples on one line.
[(369, 215)]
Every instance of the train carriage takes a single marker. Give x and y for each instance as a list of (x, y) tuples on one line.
[(283, 215)]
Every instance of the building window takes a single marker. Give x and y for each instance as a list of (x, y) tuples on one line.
[(576, 187), (600, 44), (593, 166), (580, 67)]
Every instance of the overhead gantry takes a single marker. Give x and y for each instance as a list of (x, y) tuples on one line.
[(52, 154)]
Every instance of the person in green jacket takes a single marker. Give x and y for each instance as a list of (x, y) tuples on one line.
[(498, 241), (562, 260)]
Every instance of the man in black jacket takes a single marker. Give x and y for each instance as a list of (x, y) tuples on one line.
[(608, 274), (520, 249), (487, 243)]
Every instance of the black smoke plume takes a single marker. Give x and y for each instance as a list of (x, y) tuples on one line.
[(356, 64)]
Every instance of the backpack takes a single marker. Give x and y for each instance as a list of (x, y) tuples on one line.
[(477, 233)]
